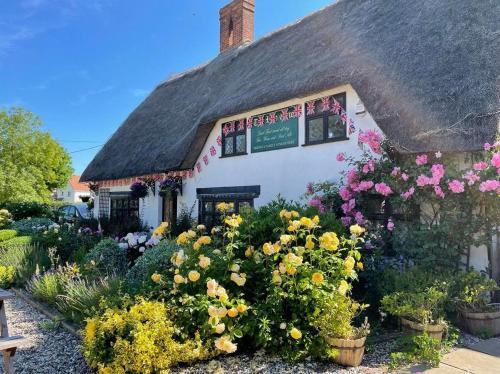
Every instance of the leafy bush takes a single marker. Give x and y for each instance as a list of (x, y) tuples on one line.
[(31, 226), (121, 227), (82, 298), (46, 287), (471, 291), (141, 339), (7, 234), (17, 241), (107, 258), (153, 259), (6, 276), (417, 349), (423, 307), (25, 259), (5, 218), (31, 209)]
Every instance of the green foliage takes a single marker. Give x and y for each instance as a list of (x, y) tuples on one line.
[(82, 298), (32, 209), (153, 259), (425, 306), (17, 241), (106, 258), (7, 234), (121, 227), (25, 259), (32, 226), (141, 339), (471, 291), (46, 287), (32, 162), (5, 218), (417, 349), (184, 221), (6, 276)]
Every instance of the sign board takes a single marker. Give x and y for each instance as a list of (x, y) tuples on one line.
[(282, 134)]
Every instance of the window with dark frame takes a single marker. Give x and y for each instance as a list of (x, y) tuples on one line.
[(324, 125), (123, 207), (234, 139)]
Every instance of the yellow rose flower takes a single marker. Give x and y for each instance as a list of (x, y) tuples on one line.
[(201, 227), (196, 245), (156, 278), (238, 279), (225, 344), (193, 276), (329, 241), (178, 279), (191, 234), (295, 333), (204, 262), (270, 249), (349, 263), (315, 219), (294, 226), (212, 311), (221, 312), (294, 214), (356, 230), (224, 207), (161, 229), (182, 238), (242, 308), (277, 277), (359, 265), (235, 267), (318, 278), (343, 287), (220, 328), (286, 239), (310, 242), (249, 252), (233, 312), (290, 270), (234, 221)]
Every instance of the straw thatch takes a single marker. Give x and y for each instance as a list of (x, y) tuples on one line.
[(427, 71)]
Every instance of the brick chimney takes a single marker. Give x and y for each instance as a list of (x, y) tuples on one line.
[(236, 23)]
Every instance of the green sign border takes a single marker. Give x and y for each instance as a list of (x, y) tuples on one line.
[(290, 122)]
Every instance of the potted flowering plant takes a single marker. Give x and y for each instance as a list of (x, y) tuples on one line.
[(419, 312), (169, 185), (139, 190), (472, 292)]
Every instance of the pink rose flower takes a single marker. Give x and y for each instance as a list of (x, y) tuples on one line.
[(439, 192), (345, 193), (346, 221), (406, 195), (369, 166), (352, 176), (383, 189), (404, 176), (487, 146), (395, 171), (471, 177), (364, 186), (480, 166), (456, 186), (348, 206), (489, 185), (423, 180), (372, 138), (310, 189), (495, 160), (360, 219), (316, 202), (421, 160), (340, 157), (437, 171)]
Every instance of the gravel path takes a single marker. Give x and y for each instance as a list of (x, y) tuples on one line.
[(49, 349)]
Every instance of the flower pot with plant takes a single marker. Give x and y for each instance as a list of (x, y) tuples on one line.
[(472, 295), (170, 185), (139, 190), (419, 312), (335, 324)]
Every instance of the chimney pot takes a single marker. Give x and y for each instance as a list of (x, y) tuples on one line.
[(236, 23)]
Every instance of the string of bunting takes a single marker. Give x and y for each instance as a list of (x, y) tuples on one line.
[(320, 105)]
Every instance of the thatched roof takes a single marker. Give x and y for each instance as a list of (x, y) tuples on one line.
[(427, 71)]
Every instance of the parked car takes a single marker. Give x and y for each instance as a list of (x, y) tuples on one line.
[(73, 212)]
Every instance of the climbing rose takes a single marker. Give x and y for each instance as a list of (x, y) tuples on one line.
[(487, 146), (349, 206), (437, 171), (480, 166), (372, 138), (421, 160), (364, 186), (495, 160), (404, 176), (439, 192), (456, 186), (383, 189), (316, 202), (369, 166), (346, 221), (345, 194), (471, 177), (340, 157), (395, 171), (406, 195), (489, 185), (352, 176), (360, 219), (423, 180)]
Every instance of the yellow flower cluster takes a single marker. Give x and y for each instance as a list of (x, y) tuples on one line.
[(202, 240), (356, 230), (287, 239), (240, 279), (214, 290), (186, 236), (304, 222), (329, 241), (224, 207), (225, 344), (288, 215), (290, 263), (161, 230), (204, 262), (233, 221), (178, 258), (318, 278), (270, 249)]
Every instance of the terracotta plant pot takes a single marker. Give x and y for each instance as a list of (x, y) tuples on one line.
[(482, 322), (414, 328), (351, 351)]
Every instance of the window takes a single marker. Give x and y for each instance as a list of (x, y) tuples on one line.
[(103, 202), (123, 207), (234, 139), (324, 125), (241, 197)]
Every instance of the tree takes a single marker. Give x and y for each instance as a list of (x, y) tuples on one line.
[(32, 163)]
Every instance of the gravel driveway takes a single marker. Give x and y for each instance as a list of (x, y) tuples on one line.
[(49, 349)]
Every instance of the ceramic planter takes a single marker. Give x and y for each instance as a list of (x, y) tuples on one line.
[(351, 351), (482, 322), (414, 328)]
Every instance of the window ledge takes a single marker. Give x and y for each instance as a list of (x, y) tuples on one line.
[(234, 155), (326, 141)]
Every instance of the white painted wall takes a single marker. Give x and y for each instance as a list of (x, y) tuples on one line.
[(68, 194)]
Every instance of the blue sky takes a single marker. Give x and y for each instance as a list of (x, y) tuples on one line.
[(84, 65)]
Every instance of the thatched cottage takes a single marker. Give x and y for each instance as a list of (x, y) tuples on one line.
[(249, 125)]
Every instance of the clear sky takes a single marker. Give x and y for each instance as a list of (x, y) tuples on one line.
[(84, 65)]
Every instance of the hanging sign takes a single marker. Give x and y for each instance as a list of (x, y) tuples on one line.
[(276, 134)]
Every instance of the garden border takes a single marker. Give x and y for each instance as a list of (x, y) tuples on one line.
[(51, 314)]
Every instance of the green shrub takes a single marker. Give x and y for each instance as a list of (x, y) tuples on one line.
[(46, 287), (5, 218), (7, 234), (471, 291), (17, 241), (82, 298), (6, 276), (417, 349), (31, 226), (107, 258), (32, 209), (139, 340), (153, 259), (25, 259)]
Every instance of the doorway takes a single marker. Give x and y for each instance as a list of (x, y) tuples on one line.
[(169, 208)]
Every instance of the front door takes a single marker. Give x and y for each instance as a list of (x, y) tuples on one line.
[(169, 211)]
